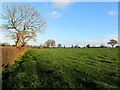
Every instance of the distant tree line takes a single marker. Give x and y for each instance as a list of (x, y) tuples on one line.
[(52, 43)]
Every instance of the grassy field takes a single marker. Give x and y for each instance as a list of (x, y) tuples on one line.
[(65, 68)]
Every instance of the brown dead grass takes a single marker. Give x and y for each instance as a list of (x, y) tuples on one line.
[(9, 54)]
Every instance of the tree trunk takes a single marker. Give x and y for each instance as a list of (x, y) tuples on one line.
[(112, 46), (18, 40)]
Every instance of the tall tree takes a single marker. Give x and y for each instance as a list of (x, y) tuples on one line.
[(112, 42), (22, 22)]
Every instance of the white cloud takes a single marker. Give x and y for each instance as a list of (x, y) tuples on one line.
[(94, 41), (111, 36), (103, 40), (112, 12), (62, 3), (88, 40), (54, 14)]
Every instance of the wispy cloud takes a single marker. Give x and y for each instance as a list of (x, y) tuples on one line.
[(95, 41), (54, 14), (103, 40), (111, 36), (112, 12), (53, 0), (62, 3)]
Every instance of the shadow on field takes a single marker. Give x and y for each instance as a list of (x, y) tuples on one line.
[(52, 69)]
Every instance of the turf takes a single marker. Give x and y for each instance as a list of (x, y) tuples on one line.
[(84, 68)]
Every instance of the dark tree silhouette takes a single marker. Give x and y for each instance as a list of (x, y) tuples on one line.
[(88, 46), (112, 42)]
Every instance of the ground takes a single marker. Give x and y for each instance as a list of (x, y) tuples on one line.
[(65, 68)]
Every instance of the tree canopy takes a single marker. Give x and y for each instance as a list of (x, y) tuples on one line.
[(112, 42), (21, 22), (50, 42)]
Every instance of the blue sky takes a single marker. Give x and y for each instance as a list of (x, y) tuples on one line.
[(79, 23)]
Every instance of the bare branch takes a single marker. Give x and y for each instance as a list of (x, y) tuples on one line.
[(22, 19)]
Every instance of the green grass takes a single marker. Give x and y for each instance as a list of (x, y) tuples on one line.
[(65, 68)]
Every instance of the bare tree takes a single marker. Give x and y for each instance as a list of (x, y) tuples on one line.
[(50, 42), (47, 43), (22, 22), (59, 45), (112, 42)]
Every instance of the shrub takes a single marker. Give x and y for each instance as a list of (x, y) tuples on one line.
[(88, 46), (5, 44), (9, 54)]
